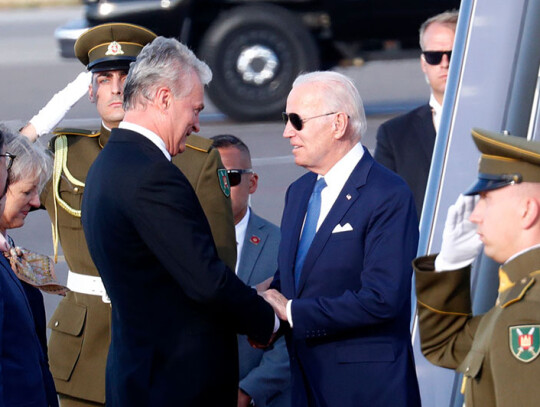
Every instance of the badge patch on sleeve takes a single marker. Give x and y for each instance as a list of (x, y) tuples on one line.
[(224, 182), (525, 342)]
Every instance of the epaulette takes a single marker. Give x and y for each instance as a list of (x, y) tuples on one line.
[(517, 292), (68, 131), (199, 143)]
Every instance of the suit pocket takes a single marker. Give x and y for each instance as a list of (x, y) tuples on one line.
[(67, 325), (349, 234), (365, 352)]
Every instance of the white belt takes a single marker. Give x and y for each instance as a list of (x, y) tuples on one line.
[(84, 284)]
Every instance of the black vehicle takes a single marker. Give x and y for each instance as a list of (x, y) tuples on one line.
[(256, 48)]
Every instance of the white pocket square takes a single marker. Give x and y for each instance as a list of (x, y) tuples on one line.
[(345, 228)]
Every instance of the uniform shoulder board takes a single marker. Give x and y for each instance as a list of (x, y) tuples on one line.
[(517, 292), (67, 131), (199, 143)]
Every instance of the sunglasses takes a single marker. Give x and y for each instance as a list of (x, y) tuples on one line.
[(297, 122), (435, 57), (235, 176)]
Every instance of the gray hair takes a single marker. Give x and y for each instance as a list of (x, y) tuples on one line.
[(32, 160), (163, 62), (447, 18), (340, 95)]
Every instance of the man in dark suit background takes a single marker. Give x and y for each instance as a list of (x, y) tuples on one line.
[(405, 143), (264, 374), (175, 306), (348, 235)]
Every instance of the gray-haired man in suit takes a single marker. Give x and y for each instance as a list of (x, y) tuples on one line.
[(264, 375)]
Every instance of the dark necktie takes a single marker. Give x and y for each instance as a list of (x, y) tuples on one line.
[(310, 228)]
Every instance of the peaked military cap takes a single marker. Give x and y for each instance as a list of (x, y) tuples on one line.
[(111, 46), (505, 160)]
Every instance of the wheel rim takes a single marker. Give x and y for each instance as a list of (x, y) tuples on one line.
[(257, 64)]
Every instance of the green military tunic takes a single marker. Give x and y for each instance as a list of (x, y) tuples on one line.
[(497, 352), (80, 326)]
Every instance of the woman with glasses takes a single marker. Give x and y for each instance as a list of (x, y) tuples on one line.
[(24, 371)]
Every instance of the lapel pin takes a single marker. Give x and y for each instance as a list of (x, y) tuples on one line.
[(348, 197), (255, 239)]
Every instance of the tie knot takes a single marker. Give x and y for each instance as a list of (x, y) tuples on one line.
[(319, 185)]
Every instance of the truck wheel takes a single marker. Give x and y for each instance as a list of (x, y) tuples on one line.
[(255, 53)]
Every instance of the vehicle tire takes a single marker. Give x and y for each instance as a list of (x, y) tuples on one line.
[(255, 53)]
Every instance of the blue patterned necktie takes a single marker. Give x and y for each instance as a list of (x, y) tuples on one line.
[(310, 228)]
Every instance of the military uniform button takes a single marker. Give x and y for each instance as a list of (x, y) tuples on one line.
[(76, 189), (467, 370), (56, 323), (523, 280)]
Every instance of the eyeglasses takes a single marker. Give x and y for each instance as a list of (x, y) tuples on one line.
[(235, 176), (435, 57), (9, 162), (297, 122), (9, 159)]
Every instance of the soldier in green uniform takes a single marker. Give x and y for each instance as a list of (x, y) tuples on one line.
[(497, 352), (80, 326)]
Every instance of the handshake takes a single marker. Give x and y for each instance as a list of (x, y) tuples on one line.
[(278, 303)]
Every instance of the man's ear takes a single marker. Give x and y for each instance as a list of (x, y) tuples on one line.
[(253, 183), (91, 94), (339, 125), (423, 64), (163, 98), (530, 212)]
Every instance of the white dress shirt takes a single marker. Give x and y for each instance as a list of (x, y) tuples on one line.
[(436, 108), (335, 179), (150, 135)]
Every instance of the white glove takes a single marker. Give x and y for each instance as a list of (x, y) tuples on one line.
[(460, 243), (55, 110)]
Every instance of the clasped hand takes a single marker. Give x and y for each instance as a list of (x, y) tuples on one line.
[(279, 304)]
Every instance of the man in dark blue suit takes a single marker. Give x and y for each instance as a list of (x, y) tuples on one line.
[(176, 308), (405, 143), (348, 234), (264, 373)]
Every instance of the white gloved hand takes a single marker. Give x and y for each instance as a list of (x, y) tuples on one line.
[(55, 110), (460, 244)]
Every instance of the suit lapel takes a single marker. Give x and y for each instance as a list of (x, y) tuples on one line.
[(253, 243), (425, 129), (346, 198)]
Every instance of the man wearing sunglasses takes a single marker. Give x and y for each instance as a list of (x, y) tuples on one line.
[(264, 374), (405, 143), (348, 235)]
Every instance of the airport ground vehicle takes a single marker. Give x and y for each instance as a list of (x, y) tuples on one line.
[(256, 48)]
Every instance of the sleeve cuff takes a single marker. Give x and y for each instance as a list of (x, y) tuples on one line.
[(289, 312)]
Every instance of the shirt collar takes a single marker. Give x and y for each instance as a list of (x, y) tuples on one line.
[(240, 227), (340, 172), (150, 135), (437, 112)]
